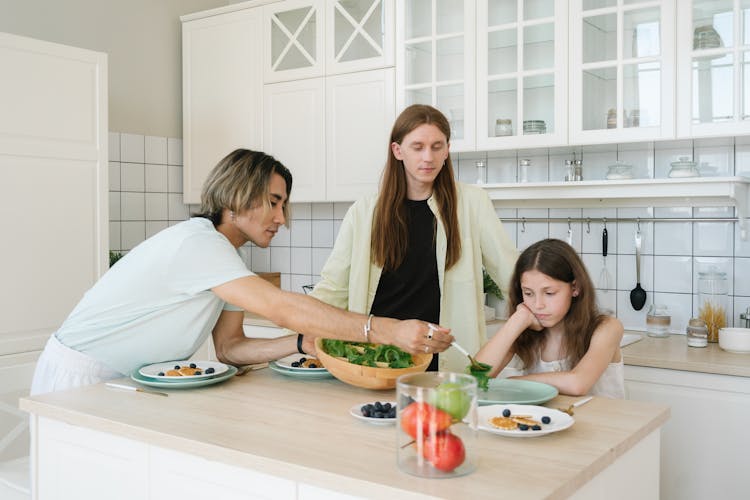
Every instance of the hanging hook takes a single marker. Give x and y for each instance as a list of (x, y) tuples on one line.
[(569, 226), (604, 221), (588, 225), (638, 224), (523, 224)]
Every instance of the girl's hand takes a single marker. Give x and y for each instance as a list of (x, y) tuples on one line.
[(531, 321)]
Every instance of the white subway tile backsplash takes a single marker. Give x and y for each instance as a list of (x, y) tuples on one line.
[(133, 233), (301, 233), (154, 226), (113, 146), (260, 259), (132, 148), (673, 274), (114, 205), (114, 176), (281, 260), (156, 178), (132, 177), (155, 150), (143, 170), (174, 152), (177, 210), (301, 260), (174, 179), (322, 233), (157, 206), (132, 206)]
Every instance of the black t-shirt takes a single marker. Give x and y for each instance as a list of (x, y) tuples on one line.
[(412, 291)]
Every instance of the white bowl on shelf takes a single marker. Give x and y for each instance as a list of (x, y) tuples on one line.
[(735, 340)]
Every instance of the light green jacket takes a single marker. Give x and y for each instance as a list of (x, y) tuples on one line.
[(349, 279)]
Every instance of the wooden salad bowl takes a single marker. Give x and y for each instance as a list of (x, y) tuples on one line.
[(368, 377)]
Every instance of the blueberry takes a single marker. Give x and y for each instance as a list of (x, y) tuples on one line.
[(378, 406), (546, 419), (295, 364), (302, 360), (523, 427), (536, 428), (177, 367), (378, 414), (366, 411), (506, 413), (198, 372), (392, 412), (193, 365), (209, 370), (312, 365), (160, 374), (387, 407)]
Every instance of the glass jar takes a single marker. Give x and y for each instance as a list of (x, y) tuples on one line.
[(713, 300), (437, 424), (697, 333), (523, 170), (503, 127), (569, 170), (684, 168), (658, 320), (481, 171), (611, 118)]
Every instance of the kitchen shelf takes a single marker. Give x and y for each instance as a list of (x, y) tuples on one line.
[(694, 192)]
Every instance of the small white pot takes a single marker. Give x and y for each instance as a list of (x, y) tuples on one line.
[(735, 340)]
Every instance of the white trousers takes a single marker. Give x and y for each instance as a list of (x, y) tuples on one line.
[(61, 368)]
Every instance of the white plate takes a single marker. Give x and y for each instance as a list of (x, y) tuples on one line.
[(356, 412), (287, 361), (559, 420), (152, 371)]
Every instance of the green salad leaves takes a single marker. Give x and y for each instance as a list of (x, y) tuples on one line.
[(361, 353), (482, 377)]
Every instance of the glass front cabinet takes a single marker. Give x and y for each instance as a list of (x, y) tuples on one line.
[(713, 81), (622, 70), (522, 78), (435, 62)]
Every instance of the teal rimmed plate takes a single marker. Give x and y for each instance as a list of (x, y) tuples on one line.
[(187, 384), (304, 373), (513, 391)]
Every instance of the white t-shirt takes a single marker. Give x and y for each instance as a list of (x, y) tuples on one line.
[(156, 303)]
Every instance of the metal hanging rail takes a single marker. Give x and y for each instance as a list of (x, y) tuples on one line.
[(605, 220)]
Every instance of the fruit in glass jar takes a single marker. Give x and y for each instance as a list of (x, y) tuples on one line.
[(449, 397), (425, 419), (444, 450)]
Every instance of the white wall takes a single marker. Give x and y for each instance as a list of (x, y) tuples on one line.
[(142, 39)]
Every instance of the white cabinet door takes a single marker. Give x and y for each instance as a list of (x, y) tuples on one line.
[(360, 110), (522, 74), (435, 63), (359, 35), (73, 462), (222, 92), (180, 475), (622, 71), (293, 40), (53, 173), (713, 85), (294, 133), (705, 440)]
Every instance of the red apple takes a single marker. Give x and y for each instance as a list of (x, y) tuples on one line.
[(444, 450), (425, 418)]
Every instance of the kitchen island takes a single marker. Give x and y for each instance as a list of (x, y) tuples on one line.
[(265, 435)]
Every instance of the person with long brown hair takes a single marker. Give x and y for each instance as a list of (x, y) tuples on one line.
[(556, 334), (416, 249), (168, 294)]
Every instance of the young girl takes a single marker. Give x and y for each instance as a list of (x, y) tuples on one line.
[(556, 334)]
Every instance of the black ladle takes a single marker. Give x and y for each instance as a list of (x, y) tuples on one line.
[(638, 294)]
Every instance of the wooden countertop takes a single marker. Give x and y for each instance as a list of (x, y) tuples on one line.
[(673, 353), (301, 429)]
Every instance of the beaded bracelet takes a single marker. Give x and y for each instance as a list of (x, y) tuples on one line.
[(368, 328)]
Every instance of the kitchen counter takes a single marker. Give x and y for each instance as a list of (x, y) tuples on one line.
[(300, 430), (673, 353)]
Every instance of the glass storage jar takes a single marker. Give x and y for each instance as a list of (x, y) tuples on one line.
[(697, 333), (658, 320), (713, 297), (503, 127)]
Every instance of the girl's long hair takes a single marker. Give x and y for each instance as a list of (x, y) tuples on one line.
[(240, 181), (559, 261), (390, 234)]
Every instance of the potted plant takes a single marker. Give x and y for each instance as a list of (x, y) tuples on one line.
[(493, 294)]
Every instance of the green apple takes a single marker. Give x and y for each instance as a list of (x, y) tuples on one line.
[(450, 398)]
